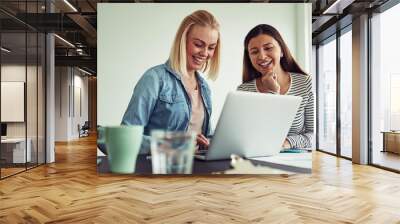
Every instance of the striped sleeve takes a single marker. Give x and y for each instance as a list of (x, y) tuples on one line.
[(248, 86), (303, 139)]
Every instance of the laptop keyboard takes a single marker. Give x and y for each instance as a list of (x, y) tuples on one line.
[(201, 152)]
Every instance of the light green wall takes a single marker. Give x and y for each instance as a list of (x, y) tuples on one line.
[(135, 37), (303, 42)]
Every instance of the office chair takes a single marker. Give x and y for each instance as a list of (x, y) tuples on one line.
[(84, 130)]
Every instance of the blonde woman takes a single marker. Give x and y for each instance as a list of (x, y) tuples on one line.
[(174, 96)]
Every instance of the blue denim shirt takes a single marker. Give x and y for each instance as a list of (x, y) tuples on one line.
[(160, 101)]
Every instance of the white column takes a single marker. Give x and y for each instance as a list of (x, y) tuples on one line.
[(63, 101), (50, 100), (360, 90), (50, 92)]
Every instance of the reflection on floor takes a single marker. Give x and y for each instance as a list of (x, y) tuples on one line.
[(386, 159), (10, 169)]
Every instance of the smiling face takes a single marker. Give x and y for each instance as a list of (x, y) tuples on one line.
[(200, 46), (265, 54)]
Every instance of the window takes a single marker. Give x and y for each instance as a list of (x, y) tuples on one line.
[(385, 84), (327, 97), (394, 101), (346, 94)]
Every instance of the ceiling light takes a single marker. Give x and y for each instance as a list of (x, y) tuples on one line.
[(65, 41), (79, 51), (70, 5), (84, 71), (331, 7), (337, 7), (5, 50)]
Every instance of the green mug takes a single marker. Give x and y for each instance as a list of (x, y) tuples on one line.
[(123, 145)]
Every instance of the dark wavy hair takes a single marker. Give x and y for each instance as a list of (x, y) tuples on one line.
[(287, 61)]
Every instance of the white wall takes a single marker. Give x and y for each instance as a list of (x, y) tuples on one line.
[(33, 127), (67, 84), (132, 39), (304, 34), (17, 73), (79, 117), (61, 103), (14, 72)]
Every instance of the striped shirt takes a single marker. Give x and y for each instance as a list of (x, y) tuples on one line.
[(302, 129)]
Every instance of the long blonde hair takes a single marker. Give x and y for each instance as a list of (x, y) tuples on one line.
[(177, 56)]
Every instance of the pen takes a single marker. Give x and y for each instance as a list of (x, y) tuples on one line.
[(296, 150)]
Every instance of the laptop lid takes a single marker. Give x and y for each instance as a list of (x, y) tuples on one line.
[(252, 124)]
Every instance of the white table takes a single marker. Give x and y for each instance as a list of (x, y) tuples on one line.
[(302, 160), (18, 149)]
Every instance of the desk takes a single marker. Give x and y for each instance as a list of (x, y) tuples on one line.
[(143, 166), (15, 148), (391, 141)]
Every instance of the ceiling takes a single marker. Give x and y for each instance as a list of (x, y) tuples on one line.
[(76, 22)]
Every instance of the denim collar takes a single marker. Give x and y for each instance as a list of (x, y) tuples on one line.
[(177, 76)]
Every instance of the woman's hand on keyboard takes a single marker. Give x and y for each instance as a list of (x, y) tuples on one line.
[(202, 141)]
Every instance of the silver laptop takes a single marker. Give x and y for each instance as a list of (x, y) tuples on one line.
[(252, 125)]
